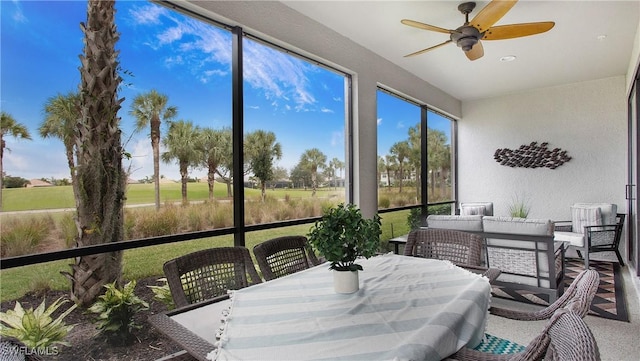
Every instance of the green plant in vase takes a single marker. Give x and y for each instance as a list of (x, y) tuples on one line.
[(519, 207), (343, 235)]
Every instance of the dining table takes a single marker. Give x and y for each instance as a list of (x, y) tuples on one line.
[(407, 308)]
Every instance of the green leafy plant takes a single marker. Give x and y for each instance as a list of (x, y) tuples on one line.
[(36, 328), (163, 294), (519, 207), (115, 309), (414, 218), (342, 235)]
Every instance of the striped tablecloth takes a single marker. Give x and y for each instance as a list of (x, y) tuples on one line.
[(406, 309)]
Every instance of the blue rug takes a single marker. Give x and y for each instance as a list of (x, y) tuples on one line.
[(497, 345)]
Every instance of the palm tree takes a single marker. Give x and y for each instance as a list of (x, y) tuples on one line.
[(212, 147), (61, 114), (335, 164), (415, 155), (182, 145), (438, 156), (401, 151), (389, 166), (225, 167), (150, 109), (262, 149), (100, 176), (313, 159), (9, 126)]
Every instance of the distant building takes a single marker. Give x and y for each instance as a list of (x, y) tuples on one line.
[(38, 183)]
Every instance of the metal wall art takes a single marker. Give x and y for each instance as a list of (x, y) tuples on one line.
[(532, 156)]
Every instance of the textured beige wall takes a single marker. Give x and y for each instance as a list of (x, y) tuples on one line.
[(589, 120)]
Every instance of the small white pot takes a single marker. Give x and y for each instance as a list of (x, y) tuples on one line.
[(345, 281)]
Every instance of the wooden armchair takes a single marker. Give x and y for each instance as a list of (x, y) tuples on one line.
[(209, 273)]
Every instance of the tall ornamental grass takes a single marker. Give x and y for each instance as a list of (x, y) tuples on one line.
[(24, 235)]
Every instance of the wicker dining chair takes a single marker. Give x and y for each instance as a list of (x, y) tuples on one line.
[(285, 255), (209, 273), (582, 290), (566, 337), (461, 248)]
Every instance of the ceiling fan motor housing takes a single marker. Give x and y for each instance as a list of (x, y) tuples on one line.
[(466, 37)]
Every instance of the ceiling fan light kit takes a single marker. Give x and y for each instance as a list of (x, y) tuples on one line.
[(468, 36)]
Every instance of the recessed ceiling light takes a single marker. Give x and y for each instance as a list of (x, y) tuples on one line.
[(508, 58), (601, 37)]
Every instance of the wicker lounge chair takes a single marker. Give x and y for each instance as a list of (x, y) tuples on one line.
[(566, 337), (284, 255), (209, 273)]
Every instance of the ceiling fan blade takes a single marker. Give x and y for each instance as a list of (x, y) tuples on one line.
[(476, 52), (517, 30), (491, 13), (419, 25), (428, 49)]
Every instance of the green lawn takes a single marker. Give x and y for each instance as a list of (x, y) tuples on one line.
[(22, 199), (146, 262)]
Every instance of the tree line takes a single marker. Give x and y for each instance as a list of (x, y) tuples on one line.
[(405, 159), (188, 145)]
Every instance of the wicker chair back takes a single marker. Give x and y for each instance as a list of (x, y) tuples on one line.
[(285, 255), (209, 273)]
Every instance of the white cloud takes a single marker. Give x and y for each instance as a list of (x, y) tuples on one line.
[(201, 46), (337, 139), (149, 14), (18, 15), (326, 110), (379, 121), (400, 125)]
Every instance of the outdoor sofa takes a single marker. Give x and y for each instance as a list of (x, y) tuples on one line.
[(532, 263)]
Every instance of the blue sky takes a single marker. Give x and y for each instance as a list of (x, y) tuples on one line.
[(186, 59)]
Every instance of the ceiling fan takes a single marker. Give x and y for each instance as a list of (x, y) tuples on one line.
[(481, 27)]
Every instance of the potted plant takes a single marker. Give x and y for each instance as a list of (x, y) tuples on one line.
[(341, 236)]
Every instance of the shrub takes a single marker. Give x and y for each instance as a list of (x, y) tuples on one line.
[(414, 219), (440, 209), (384, 202), (36, 328), (69, 229), (163, 294), (115, 310)]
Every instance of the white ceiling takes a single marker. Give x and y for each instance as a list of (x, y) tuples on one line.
[(568, 53)]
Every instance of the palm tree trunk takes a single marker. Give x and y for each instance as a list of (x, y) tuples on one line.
[(155, 144), (100, 176), (211, 179), (184, 177)]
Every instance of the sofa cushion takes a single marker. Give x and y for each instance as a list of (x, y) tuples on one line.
[(460, 223), (476, 208), (541, 227), (585, 216), (608, 211), (574, 239)]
